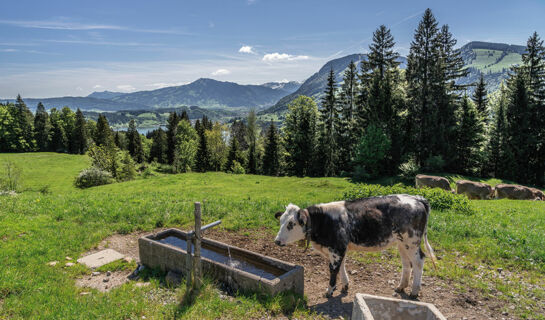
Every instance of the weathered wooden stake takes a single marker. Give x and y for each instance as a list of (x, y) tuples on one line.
[(189, 263), (197, 268)]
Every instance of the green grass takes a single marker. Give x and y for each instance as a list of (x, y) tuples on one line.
[(487, 60), (36, 228)]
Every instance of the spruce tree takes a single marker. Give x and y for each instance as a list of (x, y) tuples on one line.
[(235, 154), (349, 129), (172, 126), (59, 140), (521, 142), (158, 150), (480, 98), (271, 157), (202, 163), (470, 138), (134, 144), (79, 135), (42, 128), (184, 116), (24, 120), (498, 137), (383, 99), (252, 135), (300, 137), (329, 117), (103, 135)]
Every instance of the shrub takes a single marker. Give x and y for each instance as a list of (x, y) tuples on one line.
[(409, 170), (10, 178), (148, 172), (371, 153), (237, 168), (127, 171), (434, 164), (439, 199), (91, 177)]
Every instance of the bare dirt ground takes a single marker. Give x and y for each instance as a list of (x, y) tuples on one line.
[(372, 278)]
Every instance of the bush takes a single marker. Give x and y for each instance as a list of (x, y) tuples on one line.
[(434, 164), (439, 199), (409, 170), (10, 178), (237, 168), (371, 153), (128, 171), (91, 177)]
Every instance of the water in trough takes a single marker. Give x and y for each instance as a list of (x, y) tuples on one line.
[(219, 255)]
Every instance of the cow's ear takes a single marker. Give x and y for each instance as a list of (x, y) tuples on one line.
[(278, 214), (302, 216)]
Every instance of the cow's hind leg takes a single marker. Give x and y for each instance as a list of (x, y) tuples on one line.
[(344, 277), (335, 262), (417, 259), (406, 262)]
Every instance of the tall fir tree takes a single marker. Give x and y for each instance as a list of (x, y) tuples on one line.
[(79, 134), (521, 142), (329, 126), (24, 120), (383, 99), (480, 98), (202, 163), (103, 135), (533, 67), (498, 161), (271, 157), (134, 143), (59, 140), (42, 128), (349, 130), (300, 137), (235, 154), (172, 126), (470, 138), (252, 135), (158, 150)]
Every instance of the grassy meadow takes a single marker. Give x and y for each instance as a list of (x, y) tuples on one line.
[(51, 219)]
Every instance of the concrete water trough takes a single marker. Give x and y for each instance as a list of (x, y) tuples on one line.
[(369, 307), (240, 269)]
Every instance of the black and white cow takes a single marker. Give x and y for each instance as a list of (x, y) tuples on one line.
[(367, 224)]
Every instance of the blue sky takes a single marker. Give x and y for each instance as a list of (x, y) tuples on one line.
[(58, 48)]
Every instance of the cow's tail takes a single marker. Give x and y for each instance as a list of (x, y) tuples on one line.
[(427, 245)]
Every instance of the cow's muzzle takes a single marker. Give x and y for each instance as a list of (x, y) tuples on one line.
[(279, 243)]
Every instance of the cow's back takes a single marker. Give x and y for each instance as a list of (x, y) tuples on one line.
[(422, 180)]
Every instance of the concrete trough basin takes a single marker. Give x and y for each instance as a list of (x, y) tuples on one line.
[(240, 269), (369, 307)]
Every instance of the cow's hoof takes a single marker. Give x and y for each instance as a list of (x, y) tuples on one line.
[(328, 295), (344, 290), (399, 289)]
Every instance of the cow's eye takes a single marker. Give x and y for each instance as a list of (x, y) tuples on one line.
[(290, 225)]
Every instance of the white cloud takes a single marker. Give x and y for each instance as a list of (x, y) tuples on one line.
[(272, 57), (9, 50), (97, 86), (79, 88), (126, 87), (68, 25), (247, 49), (221, 72)]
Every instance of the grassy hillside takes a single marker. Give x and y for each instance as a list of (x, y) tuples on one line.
[(38, 227)]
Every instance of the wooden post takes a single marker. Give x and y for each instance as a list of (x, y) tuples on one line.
[(189, 264), (197, 268)]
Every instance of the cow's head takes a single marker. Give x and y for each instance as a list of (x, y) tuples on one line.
[(492, 193), (292, 225)]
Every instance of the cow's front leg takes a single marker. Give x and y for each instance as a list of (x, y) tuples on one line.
[(344, 277), (335, 262)]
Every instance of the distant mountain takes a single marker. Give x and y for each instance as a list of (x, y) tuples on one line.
[(493, 60), (207, 93), (289, 87), (105, 94), (315, 85)]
